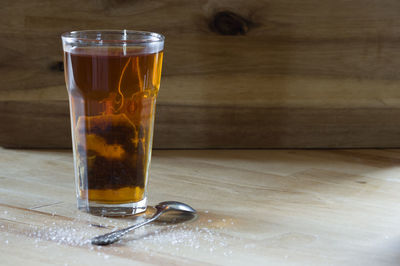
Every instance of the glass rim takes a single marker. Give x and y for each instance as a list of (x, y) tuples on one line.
[(83, 35)]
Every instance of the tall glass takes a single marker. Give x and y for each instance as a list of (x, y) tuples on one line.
[(113, 78)]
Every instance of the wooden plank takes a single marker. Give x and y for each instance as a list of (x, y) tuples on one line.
[(35, 124), (38, 125), (284, 35), (281, 54), (258, 207), (323, 44), (243, 91)]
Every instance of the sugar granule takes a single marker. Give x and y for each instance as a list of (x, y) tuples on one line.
[(174, 238)]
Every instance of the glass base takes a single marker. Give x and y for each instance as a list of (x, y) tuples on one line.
[(112, 209)]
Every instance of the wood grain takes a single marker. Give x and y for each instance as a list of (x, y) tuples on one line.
[(186, 127), (231, 54), (258, 207)]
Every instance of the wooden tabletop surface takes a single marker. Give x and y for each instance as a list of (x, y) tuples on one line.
[(255, 207)]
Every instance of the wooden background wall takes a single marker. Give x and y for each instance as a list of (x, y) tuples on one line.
[(244, 74)]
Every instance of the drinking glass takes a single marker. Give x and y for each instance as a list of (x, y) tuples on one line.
[(113, 78)]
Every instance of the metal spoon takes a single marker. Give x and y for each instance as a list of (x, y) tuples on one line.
[(161, 207)]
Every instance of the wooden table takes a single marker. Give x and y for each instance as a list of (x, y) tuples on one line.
[(256, 207)]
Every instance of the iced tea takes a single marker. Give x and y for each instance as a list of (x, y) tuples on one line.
[(112, 91)]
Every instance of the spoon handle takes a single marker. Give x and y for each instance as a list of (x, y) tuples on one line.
[(133, 227), (114, 236)]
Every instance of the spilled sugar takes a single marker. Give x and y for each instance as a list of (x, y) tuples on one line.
[(206, 236), (184, 236), (61, 234), (175, 235)]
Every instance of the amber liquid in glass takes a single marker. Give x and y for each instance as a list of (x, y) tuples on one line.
[(112, 96)]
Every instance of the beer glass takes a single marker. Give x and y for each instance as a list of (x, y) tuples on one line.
[(113, 78)]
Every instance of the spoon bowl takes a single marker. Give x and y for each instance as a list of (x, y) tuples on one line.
[(174, 206)]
